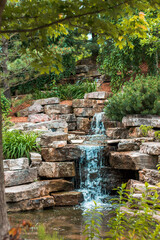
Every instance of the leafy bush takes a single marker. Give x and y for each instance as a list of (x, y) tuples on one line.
[(5, 104), (18, 144), (145, 129), (68, 91), (141, 96), (133, 218)]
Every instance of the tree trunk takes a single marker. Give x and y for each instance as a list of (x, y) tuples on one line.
[(5, 84), (4, 225)]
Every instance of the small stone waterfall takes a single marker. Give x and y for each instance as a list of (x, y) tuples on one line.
[(91, 162), (97, 126)]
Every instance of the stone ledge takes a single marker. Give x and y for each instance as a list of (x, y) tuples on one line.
[(67, 198)]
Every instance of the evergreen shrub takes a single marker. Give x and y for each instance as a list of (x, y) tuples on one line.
[(141, 96)]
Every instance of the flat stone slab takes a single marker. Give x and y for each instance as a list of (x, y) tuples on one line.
[(47, 139), (84, 112), (151, 148), (68, 153), (149, 175), (69, 117), (35, 157), (47, 101), (84, 103), (31, 204), (36, 118), (36, 189), (77, 141), (54, 125), (96, 95), (138, 120), (128, 146), (57, 109), (18, 177), (117, 132), (132, 160), (57, 169), (15, 164), (67, 198)]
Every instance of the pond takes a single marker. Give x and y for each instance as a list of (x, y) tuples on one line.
[(69, 222)]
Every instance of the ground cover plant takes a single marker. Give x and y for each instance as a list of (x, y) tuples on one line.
[(18, 144), (133, 218), (140, 96), (68, 91)]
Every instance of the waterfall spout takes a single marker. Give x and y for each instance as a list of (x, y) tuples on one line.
[(97, 125)]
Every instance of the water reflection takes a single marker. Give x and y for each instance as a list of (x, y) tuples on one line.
[(67, 221)]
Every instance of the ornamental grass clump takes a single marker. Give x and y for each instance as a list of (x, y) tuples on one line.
[(17, 144), (141, 96)]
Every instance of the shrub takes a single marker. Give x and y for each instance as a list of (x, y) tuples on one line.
[(18, 144), (132, 218), (68, 91), (5, 104), (145, 129), (141, 96)]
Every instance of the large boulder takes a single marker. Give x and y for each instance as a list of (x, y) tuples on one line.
[(18, 177), (36, 189), (15, 164), (96, 95), (132, 160), (57, 169), (48, 139), (138, 120), (47, 101), (67, 153), (151, 148), (67, 198)]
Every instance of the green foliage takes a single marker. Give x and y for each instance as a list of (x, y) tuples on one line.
[(42, 235), (5, 105), (18, 102), (68, 91), (145, 129), (92, 224), (18, 144), (133, 218), (138, 97), (157, 135)]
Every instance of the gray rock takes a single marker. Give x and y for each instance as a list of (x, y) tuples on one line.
[(132, 160), (31, 204), (84, 112), (84, 103), (116, 133), (83, 124), (72, 126), (36, 118), (128, 146), (35, 157), (54, 125), (18, 177), (49, 138), (149, 175), (15, 164), (96, 95), (36, 189), (57, 109), (67, 198), (47, 101), (67, 153), (82, 69), (57, 169), (151, 148), (138, 120), (69, 117)]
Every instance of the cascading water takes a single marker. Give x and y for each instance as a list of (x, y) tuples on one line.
[(91, 161), (97, 125)]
